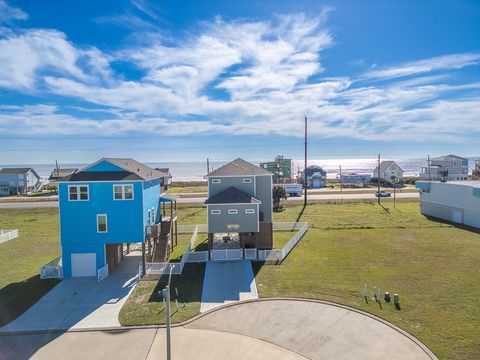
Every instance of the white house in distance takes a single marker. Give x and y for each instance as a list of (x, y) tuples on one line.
[(18, 181), (355, 179), (448, 167), (456, 201), (389, 170)]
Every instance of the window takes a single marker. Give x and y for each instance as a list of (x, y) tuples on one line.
[(148, 217), (123, 192), (247, 181), (215, 212), (152, 216), (78, 193), (216, 181), (101, 223), (232, 211), (249, 211)]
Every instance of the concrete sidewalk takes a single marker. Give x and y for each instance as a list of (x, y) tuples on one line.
[(227, 282), (82, 302)]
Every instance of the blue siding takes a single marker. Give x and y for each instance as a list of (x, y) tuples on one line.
[(78, 220), (423, 185), (105, 166), (476, 191), (151, 199)]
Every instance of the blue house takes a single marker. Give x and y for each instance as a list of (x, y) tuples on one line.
[(107, 204)]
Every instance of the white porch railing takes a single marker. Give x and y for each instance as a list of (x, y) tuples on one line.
[(52, 270), (6, 235), (226, 254), (102, 273), (160, 268), (189, 256)]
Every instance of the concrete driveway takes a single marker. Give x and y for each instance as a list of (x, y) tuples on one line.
[(82, 302), (227, 282)]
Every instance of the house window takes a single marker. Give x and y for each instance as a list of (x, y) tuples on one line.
[(247, 181), (216, 181), (102, 223), (152, 216), (123, 192), (78, 193), (148, 217), (215, 212), (232, 211), (249, 211)]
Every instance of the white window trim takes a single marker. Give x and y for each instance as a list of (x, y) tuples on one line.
[(78, 192), (106, 224), (215, 212), (232, 211), (249, 211), (216, 181), (123, 192), (247, 181)]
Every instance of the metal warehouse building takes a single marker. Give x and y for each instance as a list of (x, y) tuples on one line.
[(456, 201)]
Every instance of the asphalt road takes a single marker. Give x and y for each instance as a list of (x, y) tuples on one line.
[(53, 204)]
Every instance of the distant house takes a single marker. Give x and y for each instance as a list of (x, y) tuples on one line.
[(389, 171), (456, 201), (354, 179), (166, 179), (281, 168), (448, 167), (107, 204), (476, 171), (61, 173), (316, 177), (18, 181), (239, 207)]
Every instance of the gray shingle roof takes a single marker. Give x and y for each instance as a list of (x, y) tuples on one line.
[(101, 176), (232, 195), (385, 164), (239, 167), (143, 171), (61, 172), (449, 157), (15, 170)]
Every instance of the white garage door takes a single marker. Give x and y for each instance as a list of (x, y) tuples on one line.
[(84, 264), (457, 216)]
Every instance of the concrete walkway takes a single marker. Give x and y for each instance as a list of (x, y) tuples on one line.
[(272, 329), (227, 282), (83, 302)]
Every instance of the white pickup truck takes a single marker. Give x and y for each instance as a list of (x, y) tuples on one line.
[(292, 189)]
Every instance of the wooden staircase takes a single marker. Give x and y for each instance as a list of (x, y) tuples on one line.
[(163, 243)]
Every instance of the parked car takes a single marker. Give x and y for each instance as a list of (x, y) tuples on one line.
[(382, 194)]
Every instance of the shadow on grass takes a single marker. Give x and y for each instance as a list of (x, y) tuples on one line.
[(16, 298), (300, 214), (188, 285), (456, 225)]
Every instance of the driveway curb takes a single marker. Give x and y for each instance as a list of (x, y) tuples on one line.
[(422, 346)]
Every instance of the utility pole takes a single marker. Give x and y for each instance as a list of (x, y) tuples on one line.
[(208, 166), (167, 313), (428, 164), (305, 167), (341, 183), (378, 180)]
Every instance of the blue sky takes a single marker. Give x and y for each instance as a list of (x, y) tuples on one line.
[(178, 81)]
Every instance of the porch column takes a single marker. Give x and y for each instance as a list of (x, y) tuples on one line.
[(144, 269), (256, 244), (210, 241), (242, 245), (176, 233)]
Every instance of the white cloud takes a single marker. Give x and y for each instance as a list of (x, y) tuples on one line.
[(445, 62), (9, 13), (266, 71)]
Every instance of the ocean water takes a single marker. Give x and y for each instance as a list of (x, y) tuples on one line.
[(195, 171)]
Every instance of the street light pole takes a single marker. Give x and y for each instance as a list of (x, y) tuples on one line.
[(167, 306)]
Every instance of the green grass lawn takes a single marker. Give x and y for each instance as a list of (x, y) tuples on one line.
[(432, 265), (145, 305), (187, 189), (21, 258)]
